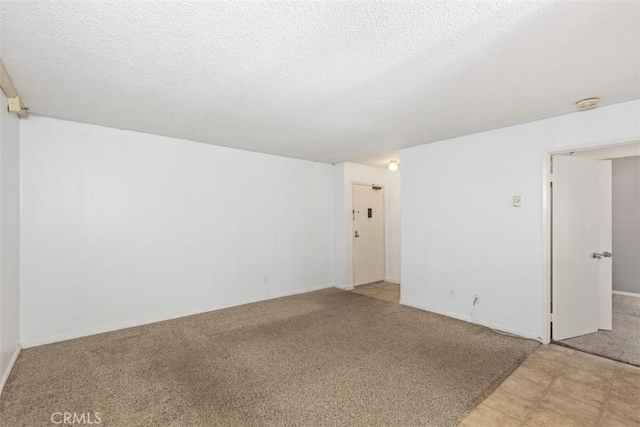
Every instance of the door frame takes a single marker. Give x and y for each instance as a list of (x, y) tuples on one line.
[(546, 222), (384, 229)]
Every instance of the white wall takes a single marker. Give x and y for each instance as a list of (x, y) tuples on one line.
[(626, 224), (460, 231), (345, 175), (341, 228), (392, 224), (121, 228), (9, 238)]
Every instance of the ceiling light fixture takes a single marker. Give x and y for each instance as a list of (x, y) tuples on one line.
[(587, 104), (393, 165)]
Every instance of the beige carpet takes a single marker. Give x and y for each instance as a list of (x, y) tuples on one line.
[(327, 358), (622, 343)]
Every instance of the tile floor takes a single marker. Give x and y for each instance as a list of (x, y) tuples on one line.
[(380, 290), (558, 386)]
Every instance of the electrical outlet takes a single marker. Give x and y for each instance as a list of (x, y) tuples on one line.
[(517, 201), (451, 294)]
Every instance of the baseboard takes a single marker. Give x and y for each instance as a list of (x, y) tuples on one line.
[(394, 281), (131, 324), (12, 362), (344, 287), (470, 320), (627, 294)]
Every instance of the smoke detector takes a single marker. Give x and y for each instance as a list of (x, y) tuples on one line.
[(587, 104)]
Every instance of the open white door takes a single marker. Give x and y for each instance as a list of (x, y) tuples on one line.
[(605, 242), (577, 279), (368, 234)]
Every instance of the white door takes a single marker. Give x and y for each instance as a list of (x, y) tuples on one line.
[(579, 267), (605, 244), (368, 234)]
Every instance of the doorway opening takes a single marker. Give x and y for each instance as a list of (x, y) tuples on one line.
[(368, 243), (594, 250)]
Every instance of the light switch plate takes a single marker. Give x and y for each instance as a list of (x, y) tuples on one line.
[(517, 201), (14, 104)]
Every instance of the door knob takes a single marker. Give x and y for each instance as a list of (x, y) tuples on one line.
[(605, 254), (357, 235)]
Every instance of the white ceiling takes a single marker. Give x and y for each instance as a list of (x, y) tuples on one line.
[(324, 81)]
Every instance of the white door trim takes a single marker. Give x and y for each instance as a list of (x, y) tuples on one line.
[(384, 228), (546, 223)]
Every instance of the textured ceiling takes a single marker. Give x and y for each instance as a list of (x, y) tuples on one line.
[(324, 81)]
